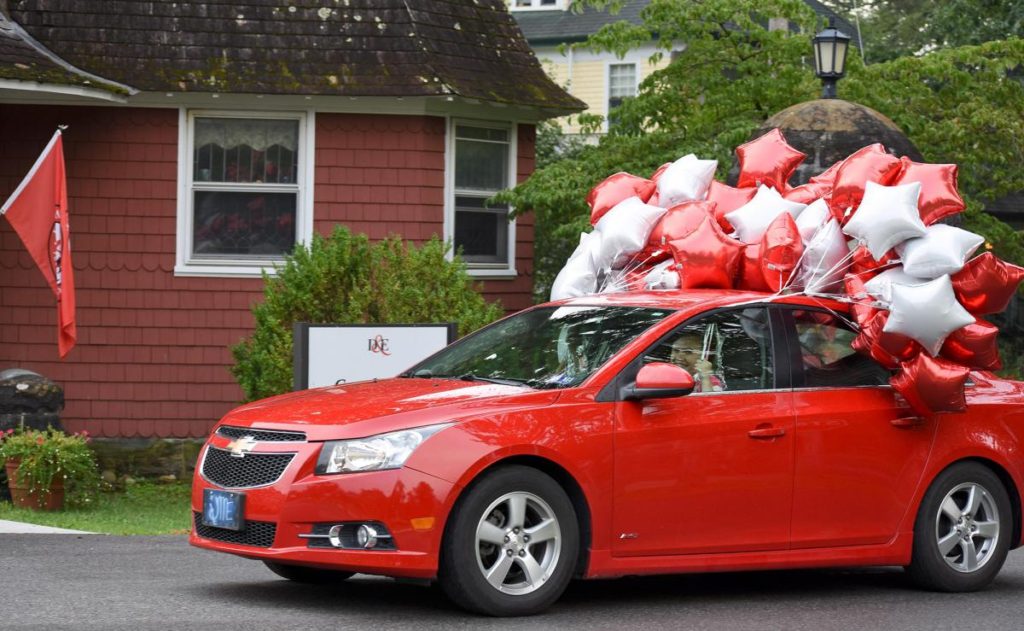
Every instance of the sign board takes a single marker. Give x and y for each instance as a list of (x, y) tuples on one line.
[(326, 354)]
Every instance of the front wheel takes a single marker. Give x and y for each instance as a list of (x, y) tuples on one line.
[(511, 545), (308, 575), (963, 530)]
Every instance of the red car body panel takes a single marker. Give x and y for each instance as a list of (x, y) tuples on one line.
[(706, 482)]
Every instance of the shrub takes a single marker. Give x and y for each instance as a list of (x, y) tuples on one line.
[(345, 279)]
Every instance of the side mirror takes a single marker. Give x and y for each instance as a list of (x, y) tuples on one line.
[(660, 380)]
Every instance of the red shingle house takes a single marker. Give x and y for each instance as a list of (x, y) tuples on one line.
[(206, 139)]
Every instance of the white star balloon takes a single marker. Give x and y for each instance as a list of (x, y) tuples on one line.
[(752, 219), (880, 287), (942, 250), (886, 216), (687, 179), (579, 276), (624, 231), (927, 313), (812, 218), (824, 261)]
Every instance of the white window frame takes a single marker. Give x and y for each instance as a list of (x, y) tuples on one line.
[(480, 270), (188, 265), (535, 5), (608, 84)]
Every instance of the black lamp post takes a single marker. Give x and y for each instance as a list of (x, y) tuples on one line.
[(830, 48)]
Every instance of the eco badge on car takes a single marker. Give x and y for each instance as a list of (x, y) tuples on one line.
[(241, 446)]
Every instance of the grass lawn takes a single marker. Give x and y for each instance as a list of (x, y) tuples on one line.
[(144, 508)]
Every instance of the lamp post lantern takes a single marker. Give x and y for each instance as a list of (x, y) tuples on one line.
[(830, 48)]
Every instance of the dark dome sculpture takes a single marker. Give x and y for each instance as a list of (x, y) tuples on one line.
[(829, 130)]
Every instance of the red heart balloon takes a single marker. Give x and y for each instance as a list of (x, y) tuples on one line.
[(708, 258), (807, 193), (870, 164), (932, 384), (768, 160), (939, 197), (614, 189), (679, 221), (974, 346), (750, 276), (651, 256), (781, 247), (986, 284), (728, 199)]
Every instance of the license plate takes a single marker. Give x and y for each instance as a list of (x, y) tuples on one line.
[(223, 509)]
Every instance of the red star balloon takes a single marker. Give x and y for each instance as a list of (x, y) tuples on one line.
[(870, 164), (708, 257), (986, 284), (655, 199), (679, 221), (614, 189), (932, 385), (862, 308), (781, 248), (866, 267), (974, 346), (939, 197), (728, 199), (827, 177), (768, 160), (888, 349)]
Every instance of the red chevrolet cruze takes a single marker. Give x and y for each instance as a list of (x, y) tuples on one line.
[(637, 433)]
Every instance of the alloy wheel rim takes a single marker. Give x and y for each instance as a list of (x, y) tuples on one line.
[(518, 543), (967, 527)]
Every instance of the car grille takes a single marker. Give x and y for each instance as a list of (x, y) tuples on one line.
[(262, 435), (259, 534), (223, 469)]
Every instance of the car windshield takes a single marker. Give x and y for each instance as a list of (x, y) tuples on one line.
[(549, 347)]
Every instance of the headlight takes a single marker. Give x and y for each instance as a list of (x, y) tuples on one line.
[(384, 451)]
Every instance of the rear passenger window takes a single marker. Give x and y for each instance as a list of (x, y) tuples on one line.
[(827, 356)]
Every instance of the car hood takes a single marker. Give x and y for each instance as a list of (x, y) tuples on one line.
[(374, 407)]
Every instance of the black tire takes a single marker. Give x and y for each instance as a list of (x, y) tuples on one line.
[(929, 568), (308, 575), (461, 572)]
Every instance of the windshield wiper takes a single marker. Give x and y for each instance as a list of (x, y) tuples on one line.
[(504, 382)]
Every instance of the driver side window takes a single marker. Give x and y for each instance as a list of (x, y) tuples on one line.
[(725, 352)]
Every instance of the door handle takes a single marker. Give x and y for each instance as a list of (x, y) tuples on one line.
[(766, 432), (907, 422)]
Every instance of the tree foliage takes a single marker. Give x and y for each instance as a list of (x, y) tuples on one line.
[(345, 279), (963, 105)]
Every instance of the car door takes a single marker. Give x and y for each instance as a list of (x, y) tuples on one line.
[(711, 471), (860, 451)]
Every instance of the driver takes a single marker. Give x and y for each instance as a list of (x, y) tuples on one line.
[(687, 353)]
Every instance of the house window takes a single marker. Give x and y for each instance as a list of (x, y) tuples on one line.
[(482, 165), (244, 204), (519, 5), (621, 83)]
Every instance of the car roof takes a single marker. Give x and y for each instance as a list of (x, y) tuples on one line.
[(692, 299)]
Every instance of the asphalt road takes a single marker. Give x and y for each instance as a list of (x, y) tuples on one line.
[(101, 582)]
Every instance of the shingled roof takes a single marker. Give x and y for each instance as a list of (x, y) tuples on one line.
[(22, 59), (468, 48), (557, 26)]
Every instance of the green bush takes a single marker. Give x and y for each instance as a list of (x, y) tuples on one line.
[(345, 279)]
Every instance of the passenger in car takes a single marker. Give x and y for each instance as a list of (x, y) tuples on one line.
[(687, 353)]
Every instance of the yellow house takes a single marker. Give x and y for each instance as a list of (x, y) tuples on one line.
[(601, 80)]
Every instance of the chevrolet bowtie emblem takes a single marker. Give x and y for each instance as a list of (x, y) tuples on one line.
[(241, 446)]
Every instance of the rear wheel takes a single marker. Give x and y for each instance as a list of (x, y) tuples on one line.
[(309, 575), (511, 545), (963, 530)]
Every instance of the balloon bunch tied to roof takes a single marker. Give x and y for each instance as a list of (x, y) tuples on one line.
[(863, 232)]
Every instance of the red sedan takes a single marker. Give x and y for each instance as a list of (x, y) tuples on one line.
[(637, 433)]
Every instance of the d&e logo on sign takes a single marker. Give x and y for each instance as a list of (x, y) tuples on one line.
[(379, 344)]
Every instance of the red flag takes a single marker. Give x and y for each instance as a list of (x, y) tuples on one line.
[(38, 212)]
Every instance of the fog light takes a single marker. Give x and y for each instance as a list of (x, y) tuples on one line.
[(366, 536), (334, 536)]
